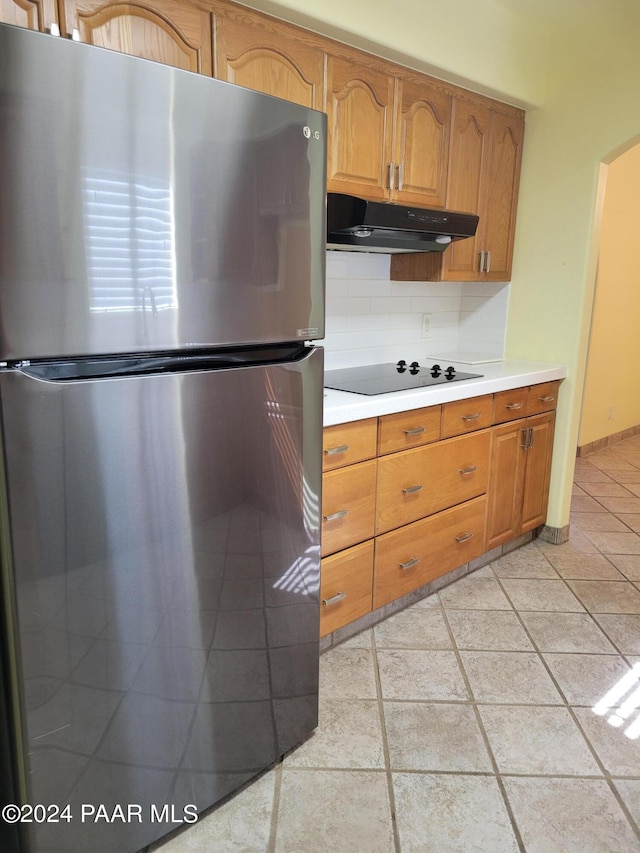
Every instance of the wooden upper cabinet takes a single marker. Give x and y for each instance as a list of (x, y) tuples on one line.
[(259, 53), (173, 32), (31, 14), (421, 145), (360, 128)]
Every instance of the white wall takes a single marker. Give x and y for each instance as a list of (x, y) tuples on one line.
[(371, 319)]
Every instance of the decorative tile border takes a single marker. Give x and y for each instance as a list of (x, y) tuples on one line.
[(607, 441)]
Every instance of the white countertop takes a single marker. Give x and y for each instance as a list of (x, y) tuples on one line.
[(341, 406)]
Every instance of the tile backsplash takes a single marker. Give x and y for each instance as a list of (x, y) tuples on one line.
[(372, 319)]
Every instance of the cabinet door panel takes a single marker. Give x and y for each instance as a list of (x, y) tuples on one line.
[(501, 194), (348, 506), (469, 142), (174, 33), (408, 558), (538, 469), (257, 52), (422, 144), (345, 587), (505, 483), (359, 109), (31, 14), (425, 480)]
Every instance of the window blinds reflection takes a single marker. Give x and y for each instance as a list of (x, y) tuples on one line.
[(130, 242)]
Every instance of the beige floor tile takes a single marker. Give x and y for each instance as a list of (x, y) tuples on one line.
[(632, 520), (585, 567), (590, 521), (541, 595), (577, 490), (621, 505), (566, 632), (423, 736), (414, 628), (609, 462), (472, 593), (590, 474), (623, 630), (241, 824), (629, 565), (527, 562), (629, 476), (585, 678), (607, 596), (349, 735), (530, 739), (321, 810), (421, 675), (497, 630), (586, 504), (456, 814), (634, 488), (347, 674), (619, 755), (629, 790), (509, 677), (613, 490), (362, 640), (569, 815)]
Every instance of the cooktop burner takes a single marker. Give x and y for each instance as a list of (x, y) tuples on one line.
[(384, 378)]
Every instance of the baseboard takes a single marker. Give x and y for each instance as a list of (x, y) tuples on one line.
[(554, 535), (607, 441)]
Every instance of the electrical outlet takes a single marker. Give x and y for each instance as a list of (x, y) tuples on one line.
[(426, 325)]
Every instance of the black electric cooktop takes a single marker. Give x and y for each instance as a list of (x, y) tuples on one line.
[(384, 378)]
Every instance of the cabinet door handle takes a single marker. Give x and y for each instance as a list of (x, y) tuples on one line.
[(334, 599), (413, 489), (400, 175), (473, 417), (546, 399), (481, 265), (410, 563), (527, 438), (468, 470), (336, 515), (514, 405), (487, 266), (414, 431), (464, 537), (334, 451), (390, 176)]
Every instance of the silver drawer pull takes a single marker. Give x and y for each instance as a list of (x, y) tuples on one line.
[(333, 451), (413, 489), (464, 537), (414, 431), (514, 405), (410, 563), (469, 469), (334, 599), (473, 417), (546, 399), (336, 515)]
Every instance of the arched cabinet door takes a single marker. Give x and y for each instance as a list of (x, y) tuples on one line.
[(31, 14), (260, 53), (174, 32), (360, 121)]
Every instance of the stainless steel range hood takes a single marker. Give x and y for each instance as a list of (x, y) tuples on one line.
[(354, 224)]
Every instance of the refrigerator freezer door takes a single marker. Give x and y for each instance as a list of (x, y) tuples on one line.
[(146, 208), (165, 560)]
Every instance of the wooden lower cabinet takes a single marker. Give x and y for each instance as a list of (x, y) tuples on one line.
[(345, 588), (410, 557), (519, 477), (348, 506)]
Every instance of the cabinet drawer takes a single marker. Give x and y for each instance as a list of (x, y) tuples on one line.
[(543, 397), (348, 505), (346, 582), (510, 405), (345, 444), (466, 415), (425, 480), (408, 429), (411, 557)]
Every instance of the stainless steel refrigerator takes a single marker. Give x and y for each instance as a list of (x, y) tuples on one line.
[(161, 285)]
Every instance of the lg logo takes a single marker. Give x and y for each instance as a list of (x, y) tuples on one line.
[(310, 134)]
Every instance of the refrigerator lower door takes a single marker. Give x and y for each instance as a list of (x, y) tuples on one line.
[(164, 569)]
